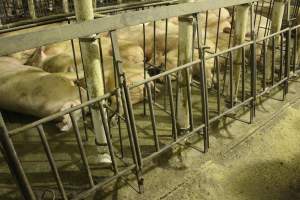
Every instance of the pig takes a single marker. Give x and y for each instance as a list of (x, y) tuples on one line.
[(30, 90), (24, 55), (133, 71), (130, 52), (172, 58)]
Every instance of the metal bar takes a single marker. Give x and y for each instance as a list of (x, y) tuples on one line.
[(287, 62), (295, 51), (81, 149), (131, 86), (79, 90), (102, 10), (203, 90), (51, 161), (14, 164), (264, 84), (243, 73), (127, 107), (273, 61), (232, 100), (173, 117), (218, 85), (90, 191), (145, 59), (154, 56), (165, 61), (107, 135), (253, 65), (152, 116), (82, 29)]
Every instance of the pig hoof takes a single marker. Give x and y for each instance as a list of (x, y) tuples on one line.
[(104, 158)]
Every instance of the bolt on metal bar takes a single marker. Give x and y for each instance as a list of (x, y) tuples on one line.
[(52, 161)]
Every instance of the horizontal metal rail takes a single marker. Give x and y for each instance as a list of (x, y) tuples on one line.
[(70, 16), (82, 29)]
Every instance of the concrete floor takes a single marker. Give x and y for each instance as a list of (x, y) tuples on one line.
[(260, 161), (257, 161)]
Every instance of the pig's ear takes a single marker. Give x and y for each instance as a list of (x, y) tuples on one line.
[(37, 57)]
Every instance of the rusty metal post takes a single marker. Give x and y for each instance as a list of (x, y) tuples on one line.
[(240, 28), (185, 48), (277, 16), (92, 67)]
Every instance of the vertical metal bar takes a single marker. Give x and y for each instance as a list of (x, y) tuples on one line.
[(81, 149), (185, 45), (273, 60), (189, 97), (102, 63), (218, 31), (79, 90), (287, 62), (152, 116), (231, 80), (145, 70), (295, 51), (206, 24), (203, 88), (229, 45), (243, 74), (127, 107), (85, 81), (14, 164), (253, 65), (165, 65), (154, 56), (264, 84), (51, 161), (281, 57), (173, 117), (218, 85), (108, 139)]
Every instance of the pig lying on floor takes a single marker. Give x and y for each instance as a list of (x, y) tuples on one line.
[(32, 91)]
